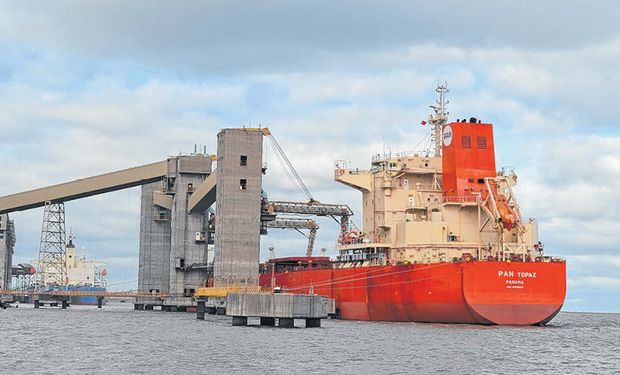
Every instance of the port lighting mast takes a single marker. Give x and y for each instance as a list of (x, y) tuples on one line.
[(52, 265)]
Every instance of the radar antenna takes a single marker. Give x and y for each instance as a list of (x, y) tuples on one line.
[(440, 118)]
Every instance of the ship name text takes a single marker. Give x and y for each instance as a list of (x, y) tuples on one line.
[(522, 274)]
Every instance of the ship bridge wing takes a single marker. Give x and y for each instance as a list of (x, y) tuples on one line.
[(357, 179)]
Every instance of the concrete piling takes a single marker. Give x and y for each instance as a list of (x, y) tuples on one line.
[(286, 323), (313, 323), (200, 310), (240, 321)]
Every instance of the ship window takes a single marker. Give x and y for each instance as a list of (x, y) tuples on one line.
[(482, 143), (481, 180), (466, 141), (243, 160), (243, 184), (470, 180)]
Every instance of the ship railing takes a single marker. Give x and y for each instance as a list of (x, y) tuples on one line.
[(353, 241), (462, 199), (549, 259), (341, 164), (506, 171), (358, 171), (344, 165), (396, 155)]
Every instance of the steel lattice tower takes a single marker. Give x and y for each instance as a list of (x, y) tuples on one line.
[(52, 267)]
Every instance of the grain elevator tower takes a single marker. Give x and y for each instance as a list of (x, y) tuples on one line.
[(238, 206)]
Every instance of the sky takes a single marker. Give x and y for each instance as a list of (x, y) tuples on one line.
[(89, 87)]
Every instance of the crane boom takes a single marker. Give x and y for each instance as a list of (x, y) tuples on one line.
[(297, 224), (310, 208)]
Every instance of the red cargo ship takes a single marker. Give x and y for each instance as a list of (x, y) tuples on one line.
[(443, 240)]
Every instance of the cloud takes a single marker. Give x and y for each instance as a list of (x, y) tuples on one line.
[(569, 185), (597, 282), (262, 36)]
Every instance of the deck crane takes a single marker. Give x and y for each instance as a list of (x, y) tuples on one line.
[(313, 207)]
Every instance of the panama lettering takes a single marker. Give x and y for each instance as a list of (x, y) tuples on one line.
[(517, 283)]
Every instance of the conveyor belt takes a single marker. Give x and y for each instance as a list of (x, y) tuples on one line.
[(85, 187)]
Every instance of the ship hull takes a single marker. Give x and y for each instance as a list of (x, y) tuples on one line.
[(475, 292), (75, 300), (86, 300)]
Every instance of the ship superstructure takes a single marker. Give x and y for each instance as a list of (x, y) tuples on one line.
[(82, 271), (421, 208)]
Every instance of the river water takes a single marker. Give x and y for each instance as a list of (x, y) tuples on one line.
[(119, 340)]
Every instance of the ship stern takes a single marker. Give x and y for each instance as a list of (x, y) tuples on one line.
[(514, 293)]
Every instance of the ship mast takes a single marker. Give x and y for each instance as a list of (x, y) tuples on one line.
[(440, 118)]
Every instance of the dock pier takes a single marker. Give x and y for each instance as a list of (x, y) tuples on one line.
[(41, 300), (62, 298), (271, 306)]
